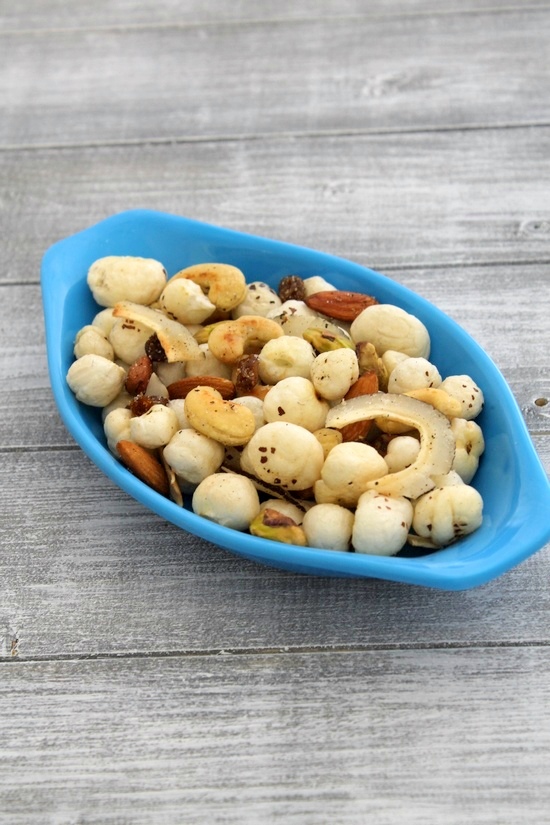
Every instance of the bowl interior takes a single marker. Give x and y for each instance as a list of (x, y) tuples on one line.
[(511, 479)]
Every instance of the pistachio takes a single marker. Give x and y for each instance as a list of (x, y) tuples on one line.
[(271, 524), (325, 341)]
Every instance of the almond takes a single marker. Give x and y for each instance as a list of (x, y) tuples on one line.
[(366, 384), (339, 304), (181, 388), (138, 375), (144, 465)]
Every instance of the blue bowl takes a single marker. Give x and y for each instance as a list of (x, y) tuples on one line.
[(514, 486)]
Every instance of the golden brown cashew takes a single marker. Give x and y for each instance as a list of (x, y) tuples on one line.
[(224, 284), (229, 340), (439, 399), (227, 422)]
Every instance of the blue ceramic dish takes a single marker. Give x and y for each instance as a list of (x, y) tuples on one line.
[(511, 479)]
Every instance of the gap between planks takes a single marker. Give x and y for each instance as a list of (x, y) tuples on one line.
[(249, 137), (279, 21), (276, 651)]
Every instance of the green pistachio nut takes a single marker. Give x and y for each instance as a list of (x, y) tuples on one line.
[(324, 341), (271, 524)]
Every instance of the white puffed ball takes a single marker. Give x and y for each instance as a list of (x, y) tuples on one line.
[(402, 452), (470, 445), (317, 284), (207, 364), (95, 380), (285, 357), (184, 300), (347, 470), (391, 358), (413, 374), (382, 524), (284, 454), (104, 320), (154, 428), (328, 526), (228, 499), (255, 405), (193, 456), (447, 513), (260, 299), (178, 405), (466, 391), (295, 317), (295, 400), (389, 327), (91, 340), (124, 278), (170, 371), (116, 427), (128, 339), (333, 373), (121, 400)]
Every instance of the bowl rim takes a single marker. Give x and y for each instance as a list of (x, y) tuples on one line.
[(441, 570)]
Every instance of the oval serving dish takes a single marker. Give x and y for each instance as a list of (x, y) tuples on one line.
[(514, 486)]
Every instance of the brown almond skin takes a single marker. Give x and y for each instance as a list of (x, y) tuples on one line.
[(339, 304), (143, 465), (181, 388), (366, 384)]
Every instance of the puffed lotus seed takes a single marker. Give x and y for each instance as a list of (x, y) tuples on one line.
[(228, 499), (95, 380), (91, 340), (382, 524), (333, 373), (284, 358), (154, 428), (284, 454), (328, 526), (413, 374), (466, 391), (125, 278), (193, 456), (184, 301), (389, 327), (295, 400), (260, 299), (128, 339)]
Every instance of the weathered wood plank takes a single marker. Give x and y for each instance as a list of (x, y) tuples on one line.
[(52, 14), (447, 735), (86, 570), (307, 76), (388, 201)]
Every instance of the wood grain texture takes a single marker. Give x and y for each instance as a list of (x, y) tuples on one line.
[(447, 736), (39, 15), (81, 560), (302, 76), (392, 201), (147, 676)]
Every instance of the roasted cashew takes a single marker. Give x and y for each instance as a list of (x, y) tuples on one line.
[(224, 284), (439, 399), (229, 340), (227, 422)]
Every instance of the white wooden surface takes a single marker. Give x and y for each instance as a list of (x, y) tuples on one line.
[(146, 676)]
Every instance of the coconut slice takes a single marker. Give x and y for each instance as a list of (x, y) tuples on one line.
[(437, 443), (175, 339)]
